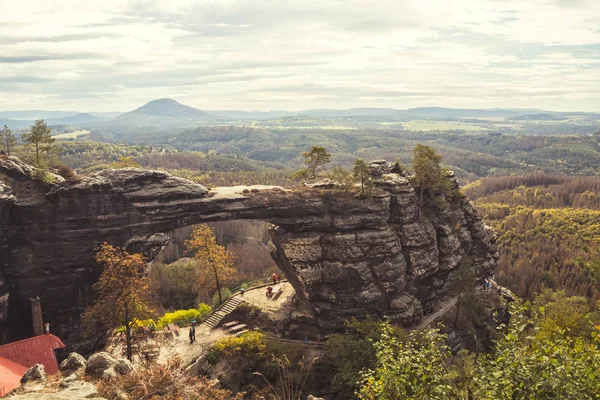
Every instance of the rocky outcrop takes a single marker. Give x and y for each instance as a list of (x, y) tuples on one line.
[(72, 363), (98, 363), (344, 255), (37, 373)]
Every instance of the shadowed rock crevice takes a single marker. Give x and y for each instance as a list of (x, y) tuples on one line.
[(345, 256)]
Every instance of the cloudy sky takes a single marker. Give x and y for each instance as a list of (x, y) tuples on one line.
[(114, 55)]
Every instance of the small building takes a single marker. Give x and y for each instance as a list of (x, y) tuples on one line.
[(34, 350), (10, 375)]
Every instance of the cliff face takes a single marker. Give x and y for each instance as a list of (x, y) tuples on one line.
[(345, 256)]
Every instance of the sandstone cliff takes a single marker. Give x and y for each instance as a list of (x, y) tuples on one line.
[(344, 255)]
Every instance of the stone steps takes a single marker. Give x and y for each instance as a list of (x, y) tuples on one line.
[(216, 317)]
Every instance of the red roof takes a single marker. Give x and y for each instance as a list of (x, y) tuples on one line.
[(10, 375), (35, 350)]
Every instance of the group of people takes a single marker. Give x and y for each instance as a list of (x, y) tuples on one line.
[(276, 278)]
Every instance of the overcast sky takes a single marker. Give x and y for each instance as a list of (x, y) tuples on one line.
[(115, 55)]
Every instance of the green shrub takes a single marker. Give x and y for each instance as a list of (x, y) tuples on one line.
[(204, 310), (177, 316), (225, 294), (249, 344), (43, 175)]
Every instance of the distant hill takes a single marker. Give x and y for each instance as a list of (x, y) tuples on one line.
[(155, 116), (79, 119), (165, 108), (435, 113), (32, 115), (239, 114)]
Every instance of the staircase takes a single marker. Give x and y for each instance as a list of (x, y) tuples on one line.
[(227, 307)]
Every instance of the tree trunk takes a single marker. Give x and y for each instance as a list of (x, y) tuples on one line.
[(457, 307), (37, 153), (420, 201), (129, 352), (218, 285)]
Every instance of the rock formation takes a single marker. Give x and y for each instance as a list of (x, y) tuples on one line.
[(345, 256)]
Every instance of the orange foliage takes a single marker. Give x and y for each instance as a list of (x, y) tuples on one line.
[(215, 260), (123, 293)]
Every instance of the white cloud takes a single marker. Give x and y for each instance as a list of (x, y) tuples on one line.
[(265, 54)]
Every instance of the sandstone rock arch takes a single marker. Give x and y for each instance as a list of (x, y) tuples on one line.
[(344, 255)]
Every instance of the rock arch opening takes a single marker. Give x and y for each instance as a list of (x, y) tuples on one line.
[(345, 256)]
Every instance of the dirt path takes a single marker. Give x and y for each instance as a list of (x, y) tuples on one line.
[(181, 347), (205, 337)]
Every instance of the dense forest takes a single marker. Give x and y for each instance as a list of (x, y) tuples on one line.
[(470, 155), (549, 231)]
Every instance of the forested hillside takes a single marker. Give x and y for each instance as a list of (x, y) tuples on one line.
[(549, 231), (470, 155)]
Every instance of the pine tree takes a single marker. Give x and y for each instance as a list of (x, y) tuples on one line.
[(362, 173), (429, 175), (39, 136), (315, 161), (8, 140)]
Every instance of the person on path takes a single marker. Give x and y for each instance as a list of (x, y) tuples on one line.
[(274, 276), (242, 291), (192, 333)]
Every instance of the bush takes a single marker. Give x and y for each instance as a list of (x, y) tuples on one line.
[(65, 171), (225, 294), (43, 175), (169, 382), (178, 316), (249, 344), (177, 284)]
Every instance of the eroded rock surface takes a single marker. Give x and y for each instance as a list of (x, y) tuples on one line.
[(345, 256)]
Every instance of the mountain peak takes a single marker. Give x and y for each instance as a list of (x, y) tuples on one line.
[(165, 108)]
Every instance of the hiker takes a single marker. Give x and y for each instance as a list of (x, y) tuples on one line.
[(269, 291), (487, 285), (274, 276), (192, 333), (242, 291)]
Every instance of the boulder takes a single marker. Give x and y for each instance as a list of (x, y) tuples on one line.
[(72, 363), (109, 374), (124, 366), (34, 374), (98, 363)]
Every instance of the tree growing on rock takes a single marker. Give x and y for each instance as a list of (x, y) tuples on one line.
[(8, 140), (125, 162), (41, 138), (342, 176), (362, 173), (315, 160), (430, 177), (216, 262), (123, 293)]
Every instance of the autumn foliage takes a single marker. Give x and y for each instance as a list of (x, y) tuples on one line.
[(122, 293), (216, 262)]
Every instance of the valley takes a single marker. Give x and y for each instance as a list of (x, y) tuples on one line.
[(405, 244)]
